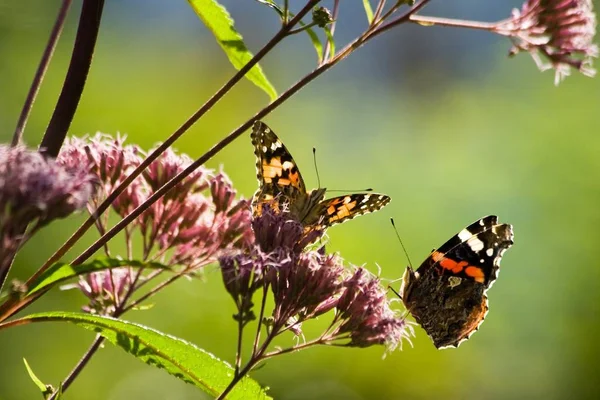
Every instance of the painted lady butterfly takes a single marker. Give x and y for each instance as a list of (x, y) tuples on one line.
[(282, 187)]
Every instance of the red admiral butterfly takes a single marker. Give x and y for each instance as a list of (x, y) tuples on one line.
[(447, 294)]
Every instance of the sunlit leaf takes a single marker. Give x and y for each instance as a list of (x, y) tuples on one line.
[(368, 10), (45, 389), (220, 23), (273, 5), (178, 357), (330, 41), (316, 42), (60, 271)]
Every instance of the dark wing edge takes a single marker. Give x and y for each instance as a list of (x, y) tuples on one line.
[(481, 244)]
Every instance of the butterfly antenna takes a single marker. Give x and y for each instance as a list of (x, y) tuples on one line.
[(350, 191), (401, 244), (316, 168)]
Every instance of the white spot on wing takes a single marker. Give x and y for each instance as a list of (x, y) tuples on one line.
[(489, 252), (475, 244), (275, 146), (464, 235)]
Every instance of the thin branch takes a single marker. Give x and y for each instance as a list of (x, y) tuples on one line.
[(170, 140), (261, 314), (80, 365), (456, 23), (81, 60), (378, 10), (41, 71), (247, 368), (199, 162), (238, 355), (302, 28), (8, 309), (400, 20), (292, 349)]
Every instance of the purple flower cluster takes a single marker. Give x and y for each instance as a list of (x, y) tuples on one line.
[(196, 222), (35, 190), (557, 33), (106, 290), (306, 283)]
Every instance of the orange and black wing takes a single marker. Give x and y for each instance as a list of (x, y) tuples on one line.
[(278, 176), (343, 208), (475, 252)]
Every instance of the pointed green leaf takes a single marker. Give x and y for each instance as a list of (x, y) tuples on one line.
[(316, 42), (45, 389), (176, 356), (60, 271), (330, 41), (59, 395), (368, 10), (220, 23), (273, 5)]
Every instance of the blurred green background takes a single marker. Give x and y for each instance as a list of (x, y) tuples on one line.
[(439, 119)]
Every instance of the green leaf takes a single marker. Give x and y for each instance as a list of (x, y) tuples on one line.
[(330, 41), (45, 389), (368, 10), (59, 395), (179, 358), (60, 271), (273, 5), (220, 23), (315, 41)]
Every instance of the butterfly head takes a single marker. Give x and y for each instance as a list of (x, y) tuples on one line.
[(410, 276)]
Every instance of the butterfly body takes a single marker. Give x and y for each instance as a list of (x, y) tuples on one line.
[(281, 187), (447, 293)]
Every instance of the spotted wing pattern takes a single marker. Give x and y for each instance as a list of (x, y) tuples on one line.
[(282, 187), (343, 208), (447, 294)]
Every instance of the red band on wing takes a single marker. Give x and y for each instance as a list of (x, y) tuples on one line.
[(456, 267)]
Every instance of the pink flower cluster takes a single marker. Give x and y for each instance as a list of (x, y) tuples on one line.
[(557, 33), (196, 222), (34, 191), (307, 283)]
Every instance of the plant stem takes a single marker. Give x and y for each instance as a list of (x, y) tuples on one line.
[(302, 28), (256, 358), (238, 355), (81, 60), (381, 28), (199, 162), (378, 10), (8, 309), (80, 365), (458, 23), (261, 314), (292, 349), (165, 145), (41, 71), (120, 310)]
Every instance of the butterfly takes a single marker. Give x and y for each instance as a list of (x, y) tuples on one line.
[(446, 295), (281, 187)]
